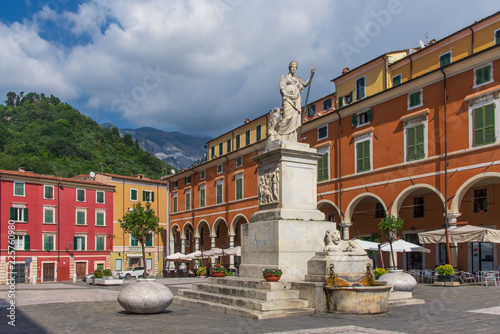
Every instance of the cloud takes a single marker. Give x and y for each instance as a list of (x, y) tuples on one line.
[(203, 66)]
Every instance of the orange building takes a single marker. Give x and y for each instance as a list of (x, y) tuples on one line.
[(417, 137)]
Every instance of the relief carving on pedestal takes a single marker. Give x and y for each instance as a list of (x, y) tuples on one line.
[(269, 187)]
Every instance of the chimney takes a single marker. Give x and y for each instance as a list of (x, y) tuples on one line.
[(21, 169)]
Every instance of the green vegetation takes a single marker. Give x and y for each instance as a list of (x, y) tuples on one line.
[(379, 272), (445, 270), (46, 136)]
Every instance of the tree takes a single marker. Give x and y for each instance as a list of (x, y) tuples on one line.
[(389, 226), (141, 223)]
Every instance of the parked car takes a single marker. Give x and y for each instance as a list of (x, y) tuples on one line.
[(131, 272), (88, 277)]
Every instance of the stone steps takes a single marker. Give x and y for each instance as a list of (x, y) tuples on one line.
[(250, 298)]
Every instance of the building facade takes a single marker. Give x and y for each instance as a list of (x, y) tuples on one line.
[(52, 227)]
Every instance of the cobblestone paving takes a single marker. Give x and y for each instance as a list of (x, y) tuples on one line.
[(82, 308)]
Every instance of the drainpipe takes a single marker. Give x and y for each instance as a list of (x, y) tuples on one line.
[(167, 232), (58, 209), (341, 213), (123, 232), (446, 224), (227, 193)]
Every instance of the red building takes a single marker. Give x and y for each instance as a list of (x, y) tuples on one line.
[(53, 227)]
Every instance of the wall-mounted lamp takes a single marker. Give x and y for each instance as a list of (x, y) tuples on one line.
[(149, 254), (70, 244), (119, 254)]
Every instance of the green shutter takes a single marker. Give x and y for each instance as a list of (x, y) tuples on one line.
[(174, 204), (144, 195), (25, 215), (410, 144), (202, 198), (152, 197), (477, 127), (341, 101), (489, 124), (12, 213), (149, 242), (239, 188), (26, 242), (366, 152), (75, 241), (419, 141), (354, 120), (359, 157), (323, 168), (369, 115)]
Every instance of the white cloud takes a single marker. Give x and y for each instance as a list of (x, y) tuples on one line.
[(203, 66)]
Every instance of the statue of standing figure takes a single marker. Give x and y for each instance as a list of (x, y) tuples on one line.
[(290, 119)]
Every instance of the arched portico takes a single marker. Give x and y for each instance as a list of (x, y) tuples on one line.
[(364, 199), (330, 209)]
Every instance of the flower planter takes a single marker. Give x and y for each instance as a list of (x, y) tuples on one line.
[(272, 278), (218, 274), (446, 278)]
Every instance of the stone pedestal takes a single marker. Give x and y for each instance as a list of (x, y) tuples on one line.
[(348, 266)]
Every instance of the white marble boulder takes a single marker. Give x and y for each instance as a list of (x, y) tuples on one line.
[(145, 297)]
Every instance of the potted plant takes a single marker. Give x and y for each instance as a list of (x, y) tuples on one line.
[(445, 273), (107, 274), (202, 271), (218, 271), (272, 275), (379, 272)]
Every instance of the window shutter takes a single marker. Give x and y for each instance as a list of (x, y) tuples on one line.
[(75, 240), (410, 144), (359, 156), (152, 196), (369, 115), (83, 244), (354, 120), (489, 124), (25, 215), (144, 195), (26, 242), (477, 127), (487, 74), (341, 101), (12, 213), (366, 152), (419, 141)]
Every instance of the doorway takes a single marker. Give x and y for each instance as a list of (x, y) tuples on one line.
[(48, 272), (482, 256), (19, 272), (81, 269)]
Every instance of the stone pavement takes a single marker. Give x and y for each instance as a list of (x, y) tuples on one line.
[(82, 308)]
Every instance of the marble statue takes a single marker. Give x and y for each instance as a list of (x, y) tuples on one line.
[(285, 125), (333, 243)]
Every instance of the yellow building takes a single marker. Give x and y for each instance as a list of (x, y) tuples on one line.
[(127, 251)]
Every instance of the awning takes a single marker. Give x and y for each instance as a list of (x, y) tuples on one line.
[(401, 245), (367, 245), (176, 256), (467, 233), (233, 251)]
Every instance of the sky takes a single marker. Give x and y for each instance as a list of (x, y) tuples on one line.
[(201, 67)]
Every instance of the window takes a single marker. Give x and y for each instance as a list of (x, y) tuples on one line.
[(19, 214), (396, 80), (79, 242), (480, 200), (187, 198), (322, 132), (100, 242), (80, 195), (149, 241), (148, 196), (203, 195), (327, 104), (415, 99), (497, 36), (483, 125), (258, 131), (18, 189), (348, 98), (48, 242), (238, 141), (239, 187), (483, 75), (445, 59), (202, 175), (48, 192), (187, 180), (99, 197), (219, 168), (360, 88), (221, 149), (81, 217), (212, 151), (174, 203), (22, 242), (133, 242), (418, 207), (415, 142), (363, 156), (228, 145), (133, 194), (247, 137), (341, 101), (219, 193), (118, 265), (48, 215), (379, 211), (311, 110), (239, 161), (175, 184), (323, 164), (362, 118), (100, 218)]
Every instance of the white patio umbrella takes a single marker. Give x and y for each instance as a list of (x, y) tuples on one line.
[(457, 234), (193, 255), (233, 251), (176, 256), (213, 252), (403, 246), (367, 245)]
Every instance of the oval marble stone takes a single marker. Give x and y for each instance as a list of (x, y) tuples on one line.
[(145, 297), (399, 280)]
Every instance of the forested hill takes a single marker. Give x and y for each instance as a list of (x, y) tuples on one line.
[(46, 136)]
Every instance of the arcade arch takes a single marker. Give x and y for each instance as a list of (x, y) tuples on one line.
[(330, 209)]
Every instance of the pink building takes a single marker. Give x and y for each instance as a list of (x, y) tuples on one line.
[(53, 227)]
